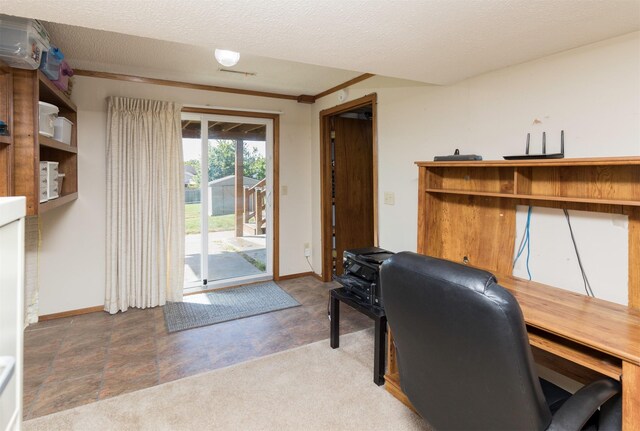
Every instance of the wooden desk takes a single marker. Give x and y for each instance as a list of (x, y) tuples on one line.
[(598, 335), (466, 213)]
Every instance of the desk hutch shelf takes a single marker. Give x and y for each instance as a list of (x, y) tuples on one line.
[(452, 193), (30, 147), (467, 213)]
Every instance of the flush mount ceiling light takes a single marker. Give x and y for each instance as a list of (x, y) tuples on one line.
[(227, 58)]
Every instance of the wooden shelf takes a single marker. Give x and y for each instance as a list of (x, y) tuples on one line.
[(55, 203), (603, 181), (539, 197), (45, 141), (591, 161), (6, 142), (597, 361), (52, 94), (30, 87)]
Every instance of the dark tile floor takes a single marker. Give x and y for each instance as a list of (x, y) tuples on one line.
[(79, 360)]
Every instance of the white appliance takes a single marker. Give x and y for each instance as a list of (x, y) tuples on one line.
[(12, 213)]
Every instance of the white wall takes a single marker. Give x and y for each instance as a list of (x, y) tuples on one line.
[(593, 93), (72, 259)]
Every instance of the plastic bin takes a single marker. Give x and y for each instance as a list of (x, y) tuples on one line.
[(60, 181), (63, 80), (47, 114), (50, 64), (22, 42), (62, 130)]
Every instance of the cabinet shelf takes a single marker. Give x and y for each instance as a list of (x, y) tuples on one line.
[(539, 197), (603, 181), (52, 94), (55, 203), (6, 142), (45, 141), (590, 161)]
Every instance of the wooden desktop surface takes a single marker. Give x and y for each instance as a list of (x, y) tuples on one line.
[(602, 325)]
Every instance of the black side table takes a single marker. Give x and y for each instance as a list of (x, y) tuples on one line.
[(377, 314)]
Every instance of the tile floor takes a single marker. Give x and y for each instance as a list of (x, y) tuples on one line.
[(79, 360)]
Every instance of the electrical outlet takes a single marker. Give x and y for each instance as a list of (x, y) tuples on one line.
[(284, 190), (389, 198), (307, 249)]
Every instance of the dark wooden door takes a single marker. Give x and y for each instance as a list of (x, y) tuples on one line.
[(353, 185)]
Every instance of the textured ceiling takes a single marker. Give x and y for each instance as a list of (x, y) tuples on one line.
[(435, 41), (118, 53)]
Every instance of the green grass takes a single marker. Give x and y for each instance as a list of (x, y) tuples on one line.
[(216, 223)]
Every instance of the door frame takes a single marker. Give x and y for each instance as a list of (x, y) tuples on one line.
[(325, 174), (276, 171)]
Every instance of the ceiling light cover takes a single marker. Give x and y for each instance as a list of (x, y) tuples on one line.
[(227, 58)]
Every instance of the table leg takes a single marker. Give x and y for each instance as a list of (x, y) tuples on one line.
[(380, 350), (335, 322)]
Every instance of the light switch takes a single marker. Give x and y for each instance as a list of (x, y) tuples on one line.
[(284, 190), (389, 198)]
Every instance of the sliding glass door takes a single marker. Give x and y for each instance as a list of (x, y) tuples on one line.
[(228, 178)]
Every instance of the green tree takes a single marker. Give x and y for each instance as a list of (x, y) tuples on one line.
[(195, 180), (255, 165), (222, 161)]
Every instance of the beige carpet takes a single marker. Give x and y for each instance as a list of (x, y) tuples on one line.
[(308, 388)]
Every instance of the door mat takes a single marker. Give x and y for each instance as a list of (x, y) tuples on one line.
[(227, 304)]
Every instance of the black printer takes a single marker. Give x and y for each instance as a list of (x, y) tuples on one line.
[(362, 273)]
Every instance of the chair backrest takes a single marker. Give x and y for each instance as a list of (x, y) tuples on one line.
[(462, 347)]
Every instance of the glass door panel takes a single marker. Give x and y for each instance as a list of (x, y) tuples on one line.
[(228, 176), (192, 155), (237, 199)]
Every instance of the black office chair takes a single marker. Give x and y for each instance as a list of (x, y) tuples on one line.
[(464, 356)]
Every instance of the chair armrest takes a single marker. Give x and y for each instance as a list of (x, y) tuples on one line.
[(577, 410)]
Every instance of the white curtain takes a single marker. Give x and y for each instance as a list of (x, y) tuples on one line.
[(145, 204)]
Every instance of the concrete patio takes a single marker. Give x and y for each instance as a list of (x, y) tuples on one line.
[(225, 258)]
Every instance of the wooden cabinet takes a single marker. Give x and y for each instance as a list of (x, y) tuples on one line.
[(30, 147), (6, 141)]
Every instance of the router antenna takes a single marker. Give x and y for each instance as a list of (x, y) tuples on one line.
[(544, 142), (526, 150), (562, 142)]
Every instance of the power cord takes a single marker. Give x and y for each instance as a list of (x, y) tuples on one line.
[(309, 262), (585, 279), (525, 241)]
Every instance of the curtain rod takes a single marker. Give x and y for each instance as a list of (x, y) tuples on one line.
[(228, 108)]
